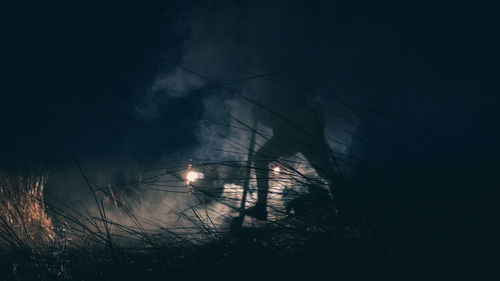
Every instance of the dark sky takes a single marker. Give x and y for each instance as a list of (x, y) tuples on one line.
[(73, 72)]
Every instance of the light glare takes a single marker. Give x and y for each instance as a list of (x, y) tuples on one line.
[(276, 169), (193, 176)]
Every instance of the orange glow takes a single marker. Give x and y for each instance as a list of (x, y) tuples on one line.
[(277, 169)]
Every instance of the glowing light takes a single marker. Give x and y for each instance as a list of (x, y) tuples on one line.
[(193, 176), (276, 169)]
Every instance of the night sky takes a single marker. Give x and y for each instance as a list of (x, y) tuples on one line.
[(75, 73)]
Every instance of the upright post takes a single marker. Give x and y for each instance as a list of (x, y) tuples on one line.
[(248, 174)]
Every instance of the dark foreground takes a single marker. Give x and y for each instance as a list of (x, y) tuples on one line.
[(290, 250), (415, 225)]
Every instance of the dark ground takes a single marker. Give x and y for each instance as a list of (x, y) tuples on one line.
[(404, 228)]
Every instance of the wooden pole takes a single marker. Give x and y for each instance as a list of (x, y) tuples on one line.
[(248, 174)]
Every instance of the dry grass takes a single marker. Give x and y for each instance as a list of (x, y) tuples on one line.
[(23, 218)]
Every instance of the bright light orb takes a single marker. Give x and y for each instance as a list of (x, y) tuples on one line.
[(276, 169), (193, 176)]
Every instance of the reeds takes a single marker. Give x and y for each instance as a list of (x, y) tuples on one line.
[(23, 218)]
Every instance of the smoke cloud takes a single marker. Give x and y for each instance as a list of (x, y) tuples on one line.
[(230, 45)]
